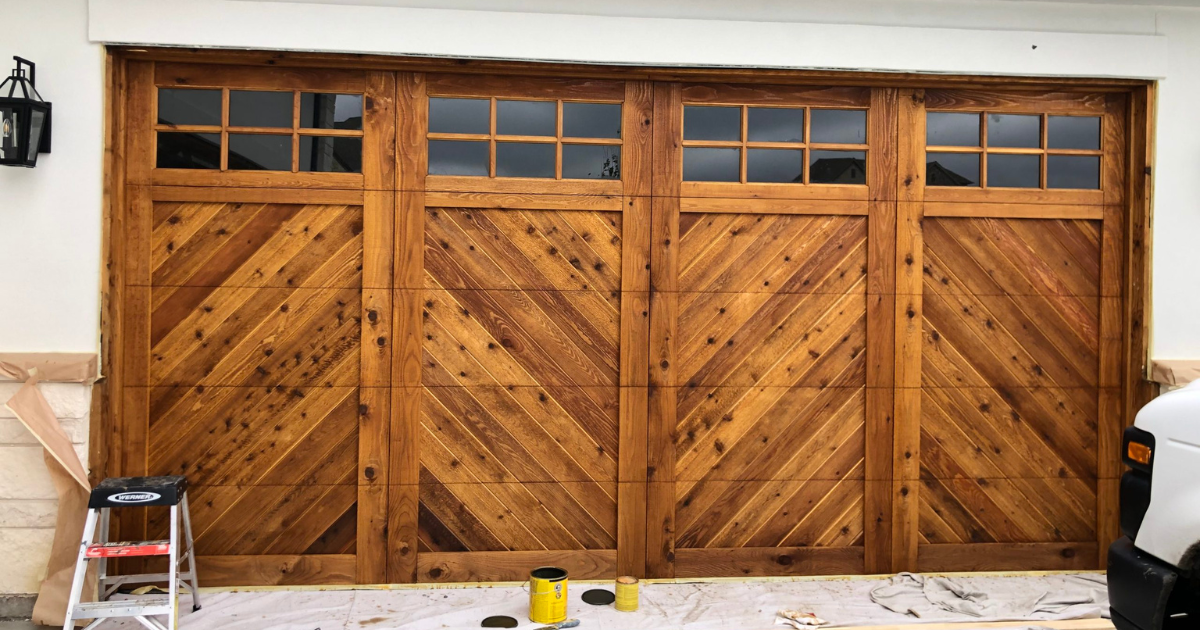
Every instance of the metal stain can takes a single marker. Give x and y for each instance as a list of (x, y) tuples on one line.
[(548, 595), (627, 594)]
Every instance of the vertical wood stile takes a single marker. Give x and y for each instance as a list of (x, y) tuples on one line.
[(881, 329), (907, 413), (104, 441), (664, 309), (637, 158), (1113, 335), (1139, 185), (138, 218), (379, 159), (412, 110)]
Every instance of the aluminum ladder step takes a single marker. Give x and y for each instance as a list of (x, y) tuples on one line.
[(140, 607)]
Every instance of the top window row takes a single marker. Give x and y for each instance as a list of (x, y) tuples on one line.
[(472, 116), (255, 108), (1016, 131), (774, 124)]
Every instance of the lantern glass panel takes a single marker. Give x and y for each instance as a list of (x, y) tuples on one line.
[(37, 119), (9, 133)]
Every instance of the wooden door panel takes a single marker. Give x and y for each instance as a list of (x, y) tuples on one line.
[(771, 433), (519, 434), (549, 338), (256, 244), (769, 387), (237, 336), (521, 331), (236, 436), (765, 253), (251, 387), (549, 516), (481, 248), (269, 520), (1010, 370)]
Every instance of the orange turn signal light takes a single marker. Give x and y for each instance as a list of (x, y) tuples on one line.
[(1139, 453)]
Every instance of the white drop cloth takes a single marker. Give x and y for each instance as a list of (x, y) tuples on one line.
[(741, 605), (933, 598)]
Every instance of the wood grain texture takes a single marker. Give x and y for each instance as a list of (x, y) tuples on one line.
[(514, 566), (1008, 557), (768, 561), (910, 194), (277, 570), (1010, 367), (880, 351), (741, 94), (270, 520)]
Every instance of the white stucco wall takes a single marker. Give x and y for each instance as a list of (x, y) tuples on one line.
[(50, 217)]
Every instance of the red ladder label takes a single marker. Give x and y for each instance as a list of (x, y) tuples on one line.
[(128, 550)]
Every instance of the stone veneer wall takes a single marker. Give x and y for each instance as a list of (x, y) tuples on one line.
[(28, 503)]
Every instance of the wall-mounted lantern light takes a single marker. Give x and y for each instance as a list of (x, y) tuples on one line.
[(24, 118)]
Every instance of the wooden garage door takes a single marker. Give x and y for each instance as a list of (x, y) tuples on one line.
[(522, 308), (1008, 368), (425, 327), (761, 308), (256, 339)]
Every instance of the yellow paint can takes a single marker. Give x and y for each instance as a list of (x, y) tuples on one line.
[(627, 594), (548, 595)]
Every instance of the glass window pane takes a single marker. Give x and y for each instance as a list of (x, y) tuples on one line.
[(10, 122), (459, 115), (1073, 171), (952, 169), (330, 154), (1073, 132), (1014, 130), (775, 165), (946, 129), (526, 118), (257, 152), (189, 107), (331, 111), (524, 159), (188, 150), (36, 118), (837, 167), (712, 123), (1013, 171), (260, 109), (774, 124), (841, 126), (590, 161), (447, 157), (592, 120), (712, 165)]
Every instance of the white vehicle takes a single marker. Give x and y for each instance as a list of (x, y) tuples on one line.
[(1154, 569)]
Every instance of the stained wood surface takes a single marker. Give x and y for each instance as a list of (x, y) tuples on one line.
[(1010, 375), (393, 377)]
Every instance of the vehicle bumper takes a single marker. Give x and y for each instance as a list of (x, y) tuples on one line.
[(1139, 587)]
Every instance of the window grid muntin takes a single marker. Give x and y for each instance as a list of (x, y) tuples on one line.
[(224, 129), (1043, 152), (558, 139), (806, 146)]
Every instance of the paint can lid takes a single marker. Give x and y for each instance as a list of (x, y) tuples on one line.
[(599, 597), (499, 621)]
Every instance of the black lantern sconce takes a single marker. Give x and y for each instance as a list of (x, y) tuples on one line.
[(24, 118)]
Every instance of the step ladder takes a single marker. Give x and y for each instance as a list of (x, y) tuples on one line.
[(123, 492)]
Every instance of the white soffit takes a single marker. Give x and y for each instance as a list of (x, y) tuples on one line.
[(620, 40)]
